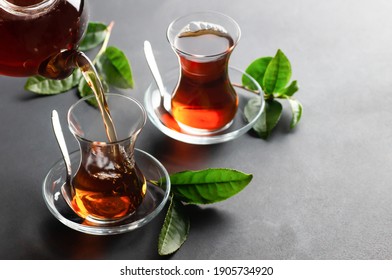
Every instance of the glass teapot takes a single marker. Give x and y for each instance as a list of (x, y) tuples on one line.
[(33, 32)]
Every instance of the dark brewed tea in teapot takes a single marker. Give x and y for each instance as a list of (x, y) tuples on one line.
[(33, 31), (42, 37)]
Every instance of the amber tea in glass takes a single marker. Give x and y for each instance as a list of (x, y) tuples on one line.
[(204, 101), (108, 184)]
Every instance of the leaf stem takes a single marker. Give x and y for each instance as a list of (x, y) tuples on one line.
[(250, 90), (155, 183), (105, 42)]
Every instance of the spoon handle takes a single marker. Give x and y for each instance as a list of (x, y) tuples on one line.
[(154, 67), (61, 142)]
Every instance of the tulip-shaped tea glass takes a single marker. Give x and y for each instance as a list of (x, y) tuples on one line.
[(108, 184), (204, 101)]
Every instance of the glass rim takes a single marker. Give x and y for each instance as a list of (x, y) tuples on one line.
[(170, 37), (106, 143)]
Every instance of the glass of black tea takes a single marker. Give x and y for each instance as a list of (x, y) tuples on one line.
[(108, 184), (204, 100)]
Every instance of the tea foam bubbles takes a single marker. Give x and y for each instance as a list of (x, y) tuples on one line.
[(196, 26)]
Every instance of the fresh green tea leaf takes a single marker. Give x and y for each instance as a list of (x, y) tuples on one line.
[(273, 111), (296, 109), (41, 85), (269, 118), (175, 228), (209, 185), (94, 36), (290, 90), (252, 108), (277, 74), (115, 68), (250, 111), (256, 70)]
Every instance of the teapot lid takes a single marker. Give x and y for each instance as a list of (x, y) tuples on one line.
[(33, 8)]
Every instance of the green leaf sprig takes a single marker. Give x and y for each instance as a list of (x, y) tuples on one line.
[(196, 187), (273, 74), (110, 62)]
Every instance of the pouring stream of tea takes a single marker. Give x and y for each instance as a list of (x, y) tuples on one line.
[(91, 76), (63, 64)]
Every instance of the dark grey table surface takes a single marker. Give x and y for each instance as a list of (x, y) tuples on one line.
[(320, 191)]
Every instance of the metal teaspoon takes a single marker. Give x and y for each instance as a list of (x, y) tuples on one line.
[(164, 115), (67, 189)]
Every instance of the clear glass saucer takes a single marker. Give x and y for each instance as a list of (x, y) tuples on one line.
[(238, 127), (156, 196)]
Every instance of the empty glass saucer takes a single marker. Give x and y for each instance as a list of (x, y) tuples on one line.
[(155, 199), (238, 127)]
